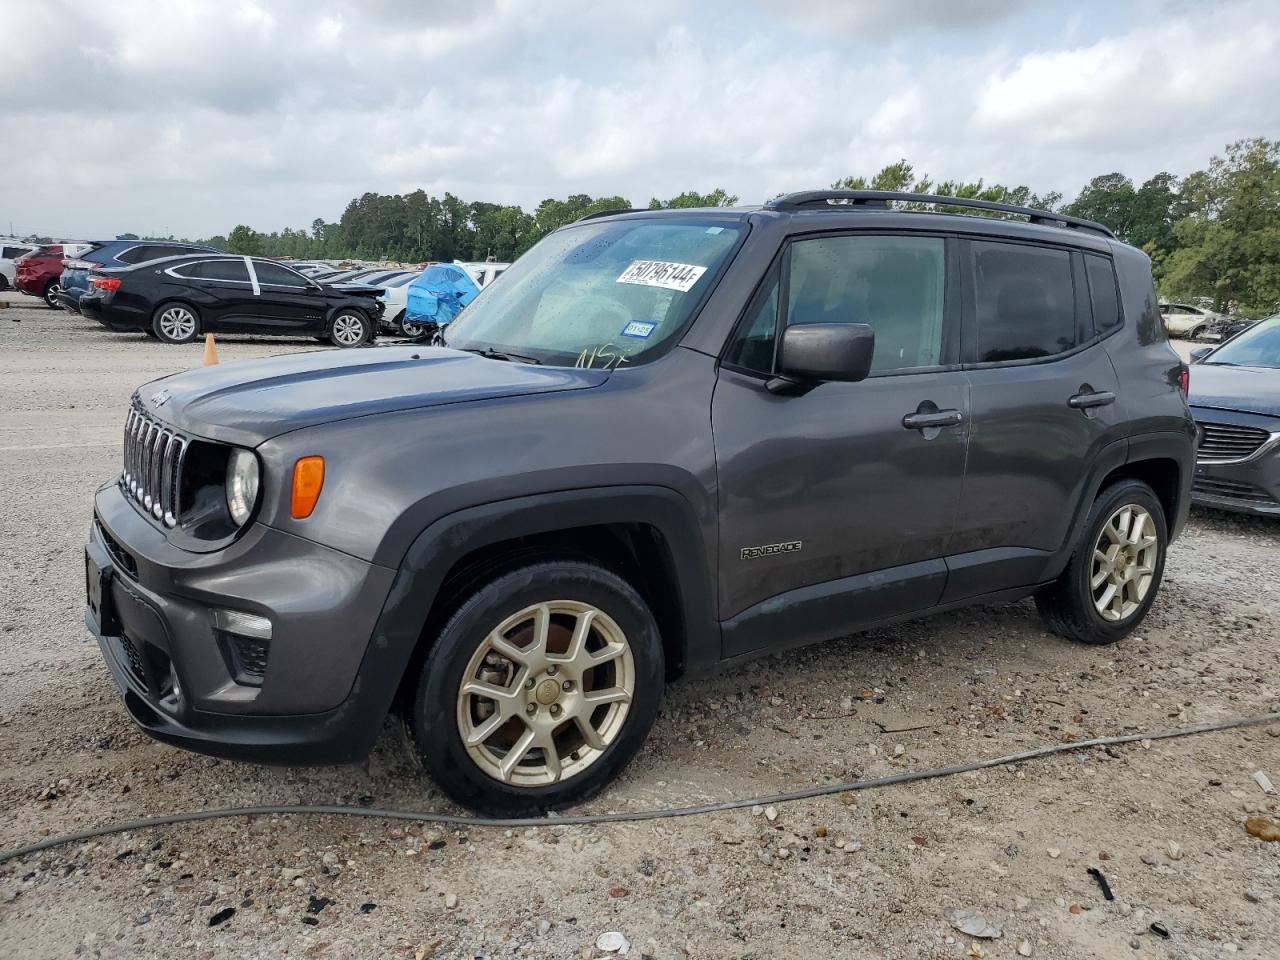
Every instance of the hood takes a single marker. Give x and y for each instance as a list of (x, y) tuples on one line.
[(249, 401), (1248, 389)]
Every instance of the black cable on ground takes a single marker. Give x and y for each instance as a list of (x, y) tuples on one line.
[(910, 776)]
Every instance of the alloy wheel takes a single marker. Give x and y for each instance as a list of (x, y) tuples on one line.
[(1124, 562), (545, 693), (348, 330), (51, 294), (178, 323)]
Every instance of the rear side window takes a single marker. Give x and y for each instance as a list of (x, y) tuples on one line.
[(138, 254), (216, 270), (1102, 293), (1024, 301)]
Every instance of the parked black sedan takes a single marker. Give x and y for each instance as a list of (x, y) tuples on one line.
[(1235, 399), (179, 298)]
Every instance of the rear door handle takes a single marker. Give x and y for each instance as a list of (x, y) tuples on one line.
[(923, 421), (1086, 401)]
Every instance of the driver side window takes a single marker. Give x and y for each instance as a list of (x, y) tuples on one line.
[(895, 284)]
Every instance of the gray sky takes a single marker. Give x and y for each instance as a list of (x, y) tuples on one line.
[(188, 117)]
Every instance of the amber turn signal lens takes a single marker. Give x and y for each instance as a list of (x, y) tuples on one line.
[(308, 481)]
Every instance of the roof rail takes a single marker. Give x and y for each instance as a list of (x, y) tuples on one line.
[(882, 198), (610, 213)]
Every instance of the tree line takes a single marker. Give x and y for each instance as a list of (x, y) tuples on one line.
[(1213, 234)]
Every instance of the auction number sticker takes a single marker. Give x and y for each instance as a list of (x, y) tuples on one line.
[(662, 273)]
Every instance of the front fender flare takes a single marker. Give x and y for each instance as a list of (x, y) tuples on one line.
[(446, 541)]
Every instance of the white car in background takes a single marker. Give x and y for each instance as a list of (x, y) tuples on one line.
[(395, 294), (11, 250), (484, 272), (1188, 320)]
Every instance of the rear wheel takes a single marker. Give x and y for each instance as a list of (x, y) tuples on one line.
[(175, 323), (1114, 573), (4, 283), (540, 688), (51, 291), (350, 328)]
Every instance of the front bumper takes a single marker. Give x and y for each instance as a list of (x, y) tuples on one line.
[(1251, 485), (183, 680)]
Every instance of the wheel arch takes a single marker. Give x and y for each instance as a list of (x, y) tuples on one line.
[(648, 535), (1164, 461)]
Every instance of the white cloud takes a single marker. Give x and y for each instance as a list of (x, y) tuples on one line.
[(190, 118)]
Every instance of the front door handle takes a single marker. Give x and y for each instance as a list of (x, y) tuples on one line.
[(942, 418), (1087, 401)]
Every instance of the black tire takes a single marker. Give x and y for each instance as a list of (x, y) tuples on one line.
[(434, 723), (4, 283), (342, 328), (168, 317), (50, 295), (1067, 604)]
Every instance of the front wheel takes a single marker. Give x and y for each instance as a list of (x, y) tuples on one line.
[(51, 292), (539, 689), (350, 328), (409, 328), (175, 323), (1114, 573)]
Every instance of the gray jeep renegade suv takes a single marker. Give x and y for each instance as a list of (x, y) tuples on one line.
[(664, 441)]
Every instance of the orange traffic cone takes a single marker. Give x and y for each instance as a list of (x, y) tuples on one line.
[(210, 350)]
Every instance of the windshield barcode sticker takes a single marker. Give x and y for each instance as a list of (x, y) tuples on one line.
[(662, 273)]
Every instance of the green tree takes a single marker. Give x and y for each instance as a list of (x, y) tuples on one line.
[(716, 198), (1230, 238), (245, 240), (553, 214), (1143, 216), (901, 177)]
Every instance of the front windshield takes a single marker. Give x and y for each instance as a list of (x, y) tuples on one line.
[(1259, 346), (600, 294)]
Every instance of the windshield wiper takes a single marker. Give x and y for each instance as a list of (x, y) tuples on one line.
[(1219, 363), (491, 354)]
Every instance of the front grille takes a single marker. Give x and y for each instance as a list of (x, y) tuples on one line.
[(1230, 489), (135, 661), (1229, 441), (153, 461)]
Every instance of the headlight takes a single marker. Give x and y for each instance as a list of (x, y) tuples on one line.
[(242, 485)]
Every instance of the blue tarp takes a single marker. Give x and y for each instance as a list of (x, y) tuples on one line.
[(439, 294)]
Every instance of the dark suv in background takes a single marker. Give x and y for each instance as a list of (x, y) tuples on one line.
[(74, 281), (666, 441)]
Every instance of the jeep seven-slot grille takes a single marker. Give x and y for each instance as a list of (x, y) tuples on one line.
[(1228, 441), (153, 457)]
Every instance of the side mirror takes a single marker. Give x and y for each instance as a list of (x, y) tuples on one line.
[(811, 353), (1199, 353)]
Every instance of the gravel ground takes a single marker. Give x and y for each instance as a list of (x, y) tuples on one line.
[(866, 875)]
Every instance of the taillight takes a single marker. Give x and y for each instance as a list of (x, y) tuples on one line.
[(106, 284), (1184, 379)]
